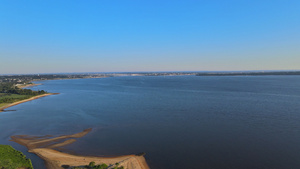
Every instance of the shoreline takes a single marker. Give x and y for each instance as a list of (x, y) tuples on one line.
[(29, 85), (26, 100), (55, 159), (44, 148)]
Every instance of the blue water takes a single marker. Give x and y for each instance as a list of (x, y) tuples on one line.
[(179, 121)]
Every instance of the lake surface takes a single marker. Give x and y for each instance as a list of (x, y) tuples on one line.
[(180, 122)]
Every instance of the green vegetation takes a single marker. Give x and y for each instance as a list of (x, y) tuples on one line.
[(26, 79), (10, 98), (13, 159), (9, 93), (93, 165), (11, 88)]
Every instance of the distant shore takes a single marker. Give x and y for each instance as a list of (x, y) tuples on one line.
[(267, 73), (26, 100), (29, 85)]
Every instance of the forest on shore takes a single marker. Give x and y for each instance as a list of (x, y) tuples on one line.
[(10, 93)]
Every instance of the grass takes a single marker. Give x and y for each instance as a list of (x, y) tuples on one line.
[(11, 98), (3, 104), (13, 159), (14, 96)]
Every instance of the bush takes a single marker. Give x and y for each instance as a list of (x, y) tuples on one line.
[(92, 164), (11, 158), (65, 166)]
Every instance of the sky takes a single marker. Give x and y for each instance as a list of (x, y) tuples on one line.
[(60, 36)]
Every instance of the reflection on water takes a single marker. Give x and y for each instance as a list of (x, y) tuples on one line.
[(180, 122)]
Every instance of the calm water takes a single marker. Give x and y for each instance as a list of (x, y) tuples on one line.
[(180, 122)]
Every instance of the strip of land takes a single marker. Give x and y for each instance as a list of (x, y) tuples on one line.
[(28, 85), (248, 73), (26, 100), (43, 147), (55, 160), (32, 142)]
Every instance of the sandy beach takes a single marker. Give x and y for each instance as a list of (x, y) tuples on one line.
[(29, 85), (55, 159), (26, 100), (43, 147)]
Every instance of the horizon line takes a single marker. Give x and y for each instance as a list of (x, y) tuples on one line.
[(132, 72)]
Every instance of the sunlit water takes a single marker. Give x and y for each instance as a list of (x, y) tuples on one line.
[(180, 121)]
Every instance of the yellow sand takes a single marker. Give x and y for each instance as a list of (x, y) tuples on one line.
[(25, 100), (42, 146)]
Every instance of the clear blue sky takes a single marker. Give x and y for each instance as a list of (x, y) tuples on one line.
[(155, 35)]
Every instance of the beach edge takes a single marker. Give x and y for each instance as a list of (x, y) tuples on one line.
[(26, 100)]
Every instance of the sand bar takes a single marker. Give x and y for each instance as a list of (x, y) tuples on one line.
[(48, 141), (55, 159), (43, 147)]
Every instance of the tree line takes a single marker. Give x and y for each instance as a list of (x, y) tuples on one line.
[(10, 88)]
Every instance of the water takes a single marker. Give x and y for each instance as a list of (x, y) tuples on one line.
[(180, 122)]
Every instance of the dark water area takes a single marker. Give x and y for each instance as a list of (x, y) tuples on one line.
[(179, 121)]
